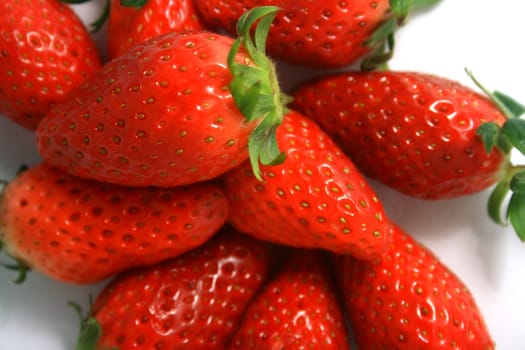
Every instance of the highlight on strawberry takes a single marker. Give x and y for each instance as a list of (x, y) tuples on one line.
[(177, 109)]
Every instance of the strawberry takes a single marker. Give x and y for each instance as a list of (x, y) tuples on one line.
[(316, 198), (408, 299), (327, 34), (192, 302), (166, 113), (81, 231), (132, 22), (414, 132), (45, 52), (296, 309)]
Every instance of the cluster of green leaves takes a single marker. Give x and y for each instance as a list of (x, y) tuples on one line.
[(382, 40), (255, 87), (509, 136)]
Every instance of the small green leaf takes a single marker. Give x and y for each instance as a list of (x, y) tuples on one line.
[(495, 202), (400, 8), (516, 214), (424, 3), (255, 87), (381, 34), (261, 31), (517, 183), (378, 59), (489, 133), (514, 132), (133, 3), (89, 335), (513, 106), (18, 266)]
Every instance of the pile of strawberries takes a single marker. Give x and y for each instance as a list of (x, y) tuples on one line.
[(226, 213)]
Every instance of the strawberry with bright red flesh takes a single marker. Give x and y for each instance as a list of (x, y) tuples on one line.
[(191, 302), (316, 198), (322, 34), (81, 231), (131, 24), (297, 309), (45, 52), (408, 299), (166, 113), (415, 132)]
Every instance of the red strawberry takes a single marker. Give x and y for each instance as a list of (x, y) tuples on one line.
[(164, 113), (412, 131), (80, 231), (297, 309), (45, 52), (131, 24), (408, 299), (191, 302), (330, 33), (314, 199)]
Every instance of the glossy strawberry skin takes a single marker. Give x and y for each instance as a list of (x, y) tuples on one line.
[(128, 26), (315, 199), (408, 299), (161, 115), (322, 34), (45, 52), (296, 309), (414, 132), (81, 231), (191, 302)]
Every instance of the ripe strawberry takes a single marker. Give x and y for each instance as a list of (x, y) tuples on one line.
[(81, 231), (414, 132), (131, 24), (315, 199), (297, 309), (191, 302), (45, 52), (326, 34), (164, 113), (408, 299)]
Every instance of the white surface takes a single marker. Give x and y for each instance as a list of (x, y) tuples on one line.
[(479, 34)]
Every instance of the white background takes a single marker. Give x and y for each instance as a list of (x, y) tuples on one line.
[(483, 35)]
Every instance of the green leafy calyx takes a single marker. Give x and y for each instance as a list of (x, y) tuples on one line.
[(509, 136), (17, 265), (255, 87), (90, 329), (382, 40)]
